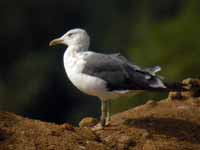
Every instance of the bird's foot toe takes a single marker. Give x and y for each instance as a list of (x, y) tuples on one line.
[(107, 123), (97, 127)]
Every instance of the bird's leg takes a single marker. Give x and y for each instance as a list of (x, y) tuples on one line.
[(103, 113), (102, 123), (108, 103)]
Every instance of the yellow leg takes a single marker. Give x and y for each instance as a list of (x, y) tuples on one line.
[(108, 118), (103, 112)]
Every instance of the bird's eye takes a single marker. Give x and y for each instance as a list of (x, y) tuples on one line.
[(70, 34)]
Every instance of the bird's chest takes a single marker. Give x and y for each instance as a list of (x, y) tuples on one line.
[(86, 83), (73, 67)]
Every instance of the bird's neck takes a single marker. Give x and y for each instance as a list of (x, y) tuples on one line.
[(75, 49)]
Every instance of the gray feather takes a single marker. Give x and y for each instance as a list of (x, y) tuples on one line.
[(119, 73)]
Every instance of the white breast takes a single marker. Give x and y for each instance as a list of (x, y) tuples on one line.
[(74, 65)]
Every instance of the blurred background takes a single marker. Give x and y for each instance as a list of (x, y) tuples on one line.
[(33, 82)]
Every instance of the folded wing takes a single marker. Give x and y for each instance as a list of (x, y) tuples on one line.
[(120, 74)]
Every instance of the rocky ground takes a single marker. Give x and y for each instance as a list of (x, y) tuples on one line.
[(170, 124)]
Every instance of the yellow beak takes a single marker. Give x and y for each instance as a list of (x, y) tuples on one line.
[(56, 41)]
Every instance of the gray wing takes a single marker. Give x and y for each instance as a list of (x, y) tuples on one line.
[(119, 73)]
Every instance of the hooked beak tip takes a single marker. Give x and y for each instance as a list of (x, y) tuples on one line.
[(51, 43), (56, 42)]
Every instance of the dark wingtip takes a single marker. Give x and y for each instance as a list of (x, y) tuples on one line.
[(177, 86)]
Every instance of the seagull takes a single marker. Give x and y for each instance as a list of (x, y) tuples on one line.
[(106, 76)]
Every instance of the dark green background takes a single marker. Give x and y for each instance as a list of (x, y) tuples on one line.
[(149, 32)]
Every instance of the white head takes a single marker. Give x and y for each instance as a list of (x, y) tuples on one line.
[(74, 37)]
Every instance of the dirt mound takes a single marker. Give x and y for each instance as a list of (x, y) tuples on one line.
[(171, 124)]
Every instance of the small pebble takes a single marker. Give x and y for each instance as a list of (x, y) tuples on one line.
[(88, 122), (175, 96), (151, 103)]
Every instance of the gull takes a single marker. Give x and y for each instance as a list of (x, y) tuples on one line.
[(106, 76)]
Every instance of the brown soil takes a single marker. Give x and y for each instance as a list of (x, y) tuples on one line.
[(171, 124)]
